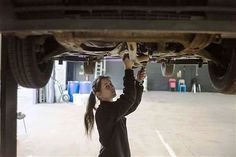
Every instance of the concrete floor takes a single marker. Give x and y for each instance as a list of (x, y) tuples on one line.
[(166, 124)]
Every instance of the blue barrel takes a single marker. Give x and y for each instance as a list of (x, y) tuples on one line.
[(85, 87), (73, 87)]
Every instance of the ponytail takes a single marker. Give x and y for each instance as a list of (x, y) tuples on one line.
[(89, 115)]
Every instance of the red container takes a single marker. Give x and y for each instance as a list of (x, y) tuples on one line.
[(172, 83)]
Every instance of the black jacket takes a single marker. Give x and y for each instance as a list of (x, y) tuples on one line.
[(111, 121)]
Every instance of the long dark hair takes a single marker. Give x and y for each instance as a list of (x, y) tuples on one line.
[(89, 115)]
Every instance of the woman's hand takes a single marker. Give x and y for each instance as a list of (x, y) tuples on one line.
[(141, 74), (127, 62)]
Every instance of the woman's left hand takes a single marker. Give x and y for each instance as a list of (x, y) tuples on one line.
[(141, 74)]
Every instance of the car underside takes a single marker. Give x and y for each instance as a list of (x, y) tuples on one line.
[(168, 32)]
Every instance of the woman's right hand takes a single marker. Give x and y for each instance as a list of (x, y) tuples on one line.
[(127, 62)]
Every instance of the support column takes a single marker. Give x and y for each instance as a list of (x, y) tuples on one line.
[(8, 106)]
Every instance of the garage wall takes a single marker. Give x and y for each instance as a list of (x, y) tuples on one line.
[(74, 72), (156, 81)]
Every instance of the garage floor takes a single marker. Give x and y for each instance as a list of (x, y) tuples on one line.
[(166, 124)]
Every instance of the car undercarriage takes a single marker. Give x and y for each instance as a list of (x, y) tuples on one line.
[(179, 32)]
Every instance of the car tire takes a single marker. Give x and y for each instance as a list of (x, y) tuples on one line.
[(223, 78), (23, 55), (167, 69)]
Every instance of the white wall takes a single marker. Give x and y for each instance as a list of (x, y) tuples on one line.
[(60, 75)]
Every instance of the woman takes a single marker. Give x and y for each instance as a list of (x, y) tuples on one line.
[(110, 115)]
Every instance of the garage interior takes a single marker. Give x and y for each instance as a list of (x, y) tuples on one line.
[(167, 123), (46, 45)]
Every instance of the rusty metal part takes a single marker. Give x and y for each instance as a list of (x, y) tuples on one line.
[(143, 58), (71, 43), (132, 50), (73, 40), (199, 42), (193, 43), (118, 50), (126, 36), (68, 41)]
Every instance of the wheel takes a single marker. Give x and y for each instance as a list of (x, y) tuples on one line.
[(89, 68), (24, 58), (223, 75), (167, 69)]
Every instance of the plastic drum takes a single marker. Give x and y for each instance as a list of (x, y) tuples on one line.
[(85, 87), (73, 87)]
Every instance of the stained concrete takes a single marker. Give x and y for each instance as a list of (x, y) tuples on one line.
[(165, 124)]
